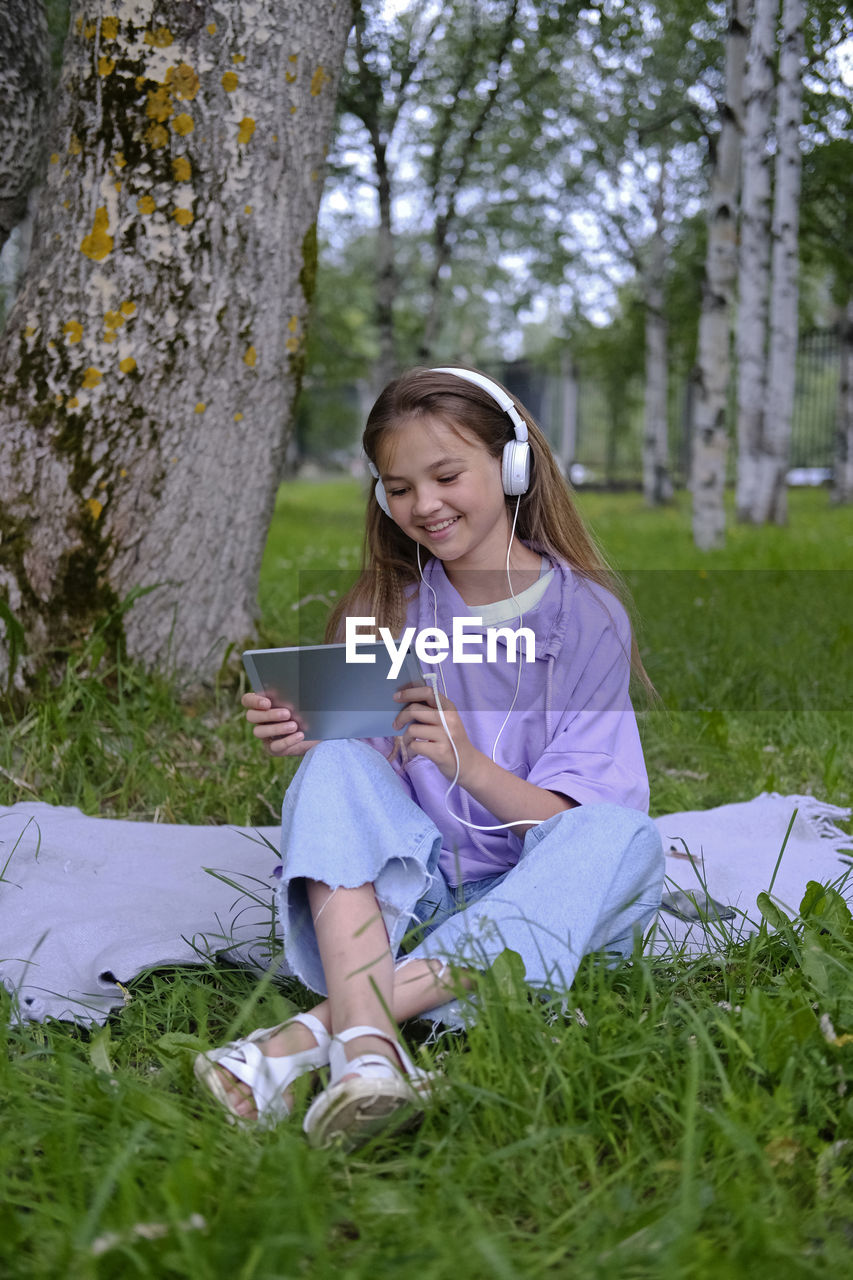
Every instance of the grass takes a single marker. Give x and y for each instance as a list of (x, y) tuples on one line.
[(665, 1119)]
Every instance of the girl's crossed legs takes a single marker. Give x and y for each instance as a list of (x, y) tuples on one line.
[(586, 878)]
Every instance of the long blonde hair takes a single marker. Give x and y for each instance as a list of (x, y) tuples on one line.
[(548, 520)]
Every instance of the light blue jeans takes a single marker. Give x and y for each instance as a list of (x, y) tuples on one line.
[(587, 880)]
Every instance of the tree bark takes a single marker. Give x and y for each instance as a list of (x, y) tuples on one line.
[(754, 269), (657, 481), (24, 98), (842, 477), (770, 494), (152, 359), (713, 369)]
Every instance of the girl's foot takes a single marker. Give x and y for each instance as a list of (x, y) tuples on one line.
[(251, 1077), (374, 1087)]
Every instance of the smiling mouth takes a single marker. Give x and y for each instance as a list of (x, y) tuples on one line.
[(444, 524)]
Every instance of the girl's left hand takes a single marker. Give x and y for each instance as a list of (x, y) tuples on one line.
[(424, 734)]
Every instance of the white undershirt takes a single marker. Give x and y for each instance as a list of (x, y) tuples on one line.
[(501, 611)]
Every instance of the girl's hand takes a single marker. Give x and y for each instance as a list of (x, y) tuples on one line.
[(274, 726), (424, 734)]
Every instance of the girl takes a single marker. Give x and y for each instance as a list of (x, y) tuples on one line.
[(511, 812)]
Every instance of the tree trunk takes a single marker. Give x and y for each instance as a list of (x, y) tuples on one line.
[(152, 359), (713, 368), (24, 97), (657, 482), (386, 273), (571, 404), (842, 478), (754, 271), (770, 495)]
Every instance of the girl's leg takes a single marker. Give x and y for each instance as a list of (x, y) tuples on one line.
[(364, 985), (587, 880)]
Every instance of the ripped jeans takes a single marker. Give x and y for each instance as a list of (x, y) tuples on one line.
[(588, 879)]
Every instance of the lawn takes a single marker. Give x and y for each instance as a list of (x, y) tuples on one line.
[(665, 1119)]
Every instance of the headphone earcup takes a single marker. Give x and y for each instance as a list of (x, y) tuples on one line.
[(382, 497), (515, 467)]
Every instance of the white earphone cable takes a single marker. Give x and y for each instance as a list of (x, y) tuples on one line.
[(432, 678)]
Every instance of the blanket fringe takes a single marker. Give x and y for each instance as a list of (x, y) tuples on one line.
[(822, 817)]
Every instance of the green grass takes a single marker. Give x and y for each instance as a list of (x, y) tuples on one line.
[(665, 1119)]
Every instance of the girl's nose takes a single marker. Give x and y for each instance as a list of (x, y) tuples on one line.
[(427, 500)]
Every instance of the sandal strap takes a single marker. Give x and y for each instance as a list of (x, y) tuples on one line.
[(269, 1077), (340, 1065)]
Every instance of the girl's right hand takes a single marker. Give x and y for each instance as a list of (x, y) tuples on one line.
[(274, 726)]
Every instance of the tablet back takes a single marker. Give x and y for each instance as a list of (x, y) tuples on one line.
[(332, 698)]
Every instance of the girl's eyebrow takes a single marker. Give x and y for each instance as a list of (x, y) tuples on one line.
[(434, 466)]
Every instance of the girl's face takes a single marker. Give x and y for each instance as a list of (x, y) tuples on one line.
[(444, 490)]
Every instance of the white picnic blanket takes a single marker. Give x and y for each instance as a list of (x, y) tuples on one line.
[(87, 904)]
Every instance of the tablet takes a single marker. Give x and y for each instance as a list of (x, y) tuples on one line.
[(333, 698)]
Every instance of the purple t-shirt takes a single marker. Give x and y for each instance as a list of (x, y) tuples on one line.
[(572, 729)]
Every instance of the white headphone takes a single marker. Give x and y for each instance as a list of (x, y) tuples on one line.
[(515, 460)]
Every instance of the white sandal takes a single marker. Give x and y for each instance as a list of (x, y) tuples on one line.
[(268, 1078), (379, 1096)]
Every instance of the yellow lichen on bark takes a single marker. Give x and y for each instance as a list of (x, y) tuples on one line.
[(159, 38), (145, 204), (113, 319), (246, 129), (74, 145), (248, 209), (238, 417), (230, 81), (99, 242), (183, 81), (127, 307), (200, 407), (251, 357), (159, 106), (72, 402), (92, 377), (181, 169), (156, 136), (183, 124), (95, 507), (183, 217), (119, 160), (211, 27), (127, 365), (54, 159), (106, 66), (318, 81), (109, 28)]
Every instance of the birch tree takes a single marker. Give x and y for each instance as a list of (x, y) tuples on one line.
[(713, 365), (754, 265), (153, 355), (657, 480), (769, 499)]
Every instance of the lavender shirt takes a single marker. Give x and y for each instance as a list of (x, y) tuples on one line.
[(572, 729)]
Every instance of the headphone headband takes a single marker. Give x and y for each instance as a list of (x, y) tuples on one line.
[(497, 393)]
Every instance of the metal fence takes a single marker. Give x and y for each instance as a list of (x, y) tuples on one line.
[(600, 428)]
